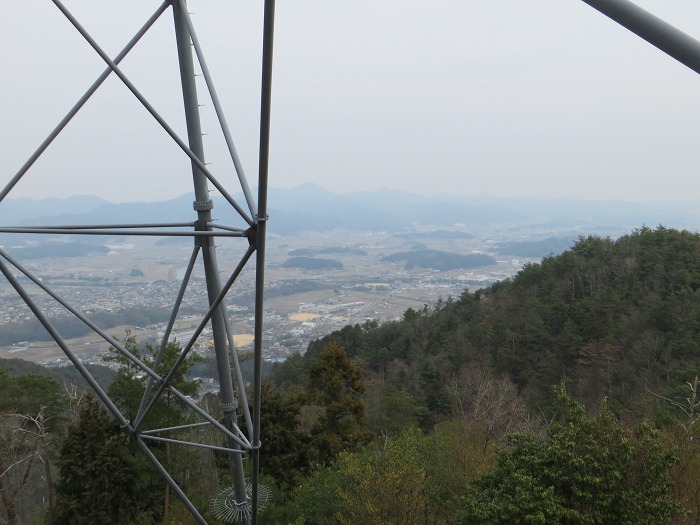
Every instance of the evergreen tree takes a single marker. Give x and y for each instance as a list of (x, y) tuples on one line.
[(286, 456), (128, 388), (103, 479), (335, 383)]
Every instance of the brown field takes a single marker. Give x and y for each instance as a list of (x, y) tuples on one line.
[(243, 339), (303, 317)]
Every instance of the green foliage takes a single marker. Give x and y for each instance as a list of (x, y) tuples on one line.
[(381, 485), (19, 367), (616, 318), (409, 478), (32, 416), (397, 410), (335, 383), (127, 391), (129, 385), (588, 471), (610, 317), (31, 394), (287, 454), (453, 456), (686, 484), (102, 478)]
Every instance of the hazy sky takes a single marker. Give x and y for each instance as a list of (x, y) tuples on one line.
[(542, 98)]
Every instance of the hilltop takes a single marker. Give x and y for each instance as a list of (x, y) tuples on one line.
[(614, 324), (615, 318)]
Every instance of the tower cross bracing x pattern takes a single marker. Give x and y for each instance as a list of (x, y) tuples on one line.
[(242, 501)]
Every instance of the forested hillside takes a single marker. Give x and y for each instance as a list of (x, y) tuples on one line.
[(611, 318), (67, 374), (567, 394), (614, 320)]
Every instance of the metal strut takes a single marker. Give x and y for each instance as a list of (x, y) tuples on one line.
[(261, 225), (242, 501), (211, 267), (653, 29)]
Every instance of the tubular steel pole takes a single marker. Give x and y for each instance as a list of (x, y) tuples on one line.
[(654, 30), (203, 205), (185, 351), (263, 165), (220, 114)]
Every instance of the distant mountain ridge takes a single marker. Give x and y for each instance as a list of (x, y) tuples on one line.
[(311, 208)]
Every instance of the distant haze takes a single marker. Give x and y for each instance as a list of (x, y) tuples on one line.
[(411, 216), (509, 98)]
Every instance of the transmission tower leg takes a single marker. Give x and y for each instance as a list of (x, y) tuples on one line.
[(203, 206)]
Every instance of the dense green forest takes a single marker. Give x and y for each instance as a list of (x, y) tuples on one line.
[(612, 318), (614, 321), (65, 374), (440, 260), (69, 326), (565, 395), (535, 248)]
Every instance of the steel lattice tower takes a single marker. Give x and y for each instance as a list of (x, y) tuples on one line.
[(242, 501)]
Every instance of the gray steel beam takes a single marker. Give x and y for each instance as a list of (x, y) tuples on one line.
[(127, 354), (653, 29), (245, 409), (192, 444), (213, 308), (263, 165), (216, 226), (220, 113), (197, 410), (203, 206), (117, 226), (204, 235), (66, 350), (151, 233), (173, 429), (168, 330), (170, 481)]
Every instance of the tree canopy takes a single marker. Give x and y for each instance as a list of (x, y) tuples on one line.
[(588, 471)]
